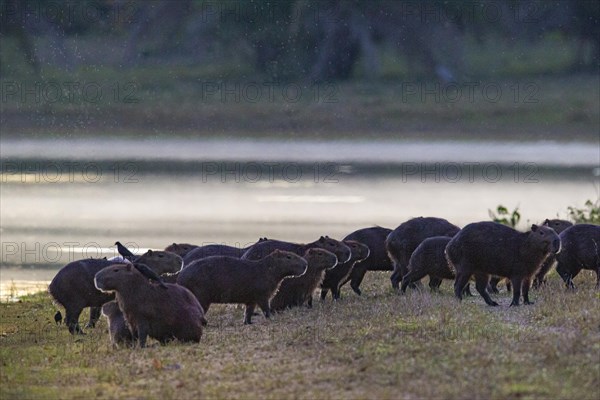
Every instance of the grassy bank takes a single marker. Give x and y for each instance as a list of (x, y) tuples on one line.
[(381, 345)]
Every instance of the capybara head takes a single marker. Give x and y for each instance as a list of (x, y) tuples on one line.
[(181, 249), (558, 225), (338, 248), (161, 262), (320, 259), (287, 262), (544, 239), (117, 276), (110, 309), (359, 250)]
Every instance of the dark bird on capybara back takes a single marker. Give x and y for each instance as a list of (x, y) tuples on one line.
[(559, 225), (124, 251), (489, 248), (580, 250), (117, 326), (181, 249), (73, 288), (334, 277), (222, 279), (403, 240), (163, 313), (266, 247), (295, 292), (378, 259)]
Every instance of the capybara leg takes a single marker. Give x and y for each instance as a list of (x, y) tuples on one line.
[(481, 284), (540, 277), (508, 286), (265, 307), (309, 302), (493, 285), (142, 331), (248, 314), (72, 321), (396, 277), (517, 283), (324, 293), (598, 278), (94, 316), (525, 288), (410, 277), (434, 284), (357, 278), (460, 283), (467, 291)]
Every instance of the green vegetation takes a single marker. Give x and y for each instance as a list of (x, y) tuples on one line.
[(503, 216), (379, 345), (589, 214)]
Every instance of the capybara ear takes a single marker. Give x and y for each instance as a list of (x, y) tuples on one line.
[(128, 267), (174, 244), (321, 239), (534, 228), (546, 222), (150, 252)]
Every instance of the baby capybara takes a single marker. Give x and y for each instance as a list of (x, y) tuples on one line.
[(489, 248), (163, 312), (266, 247), (73, 288), (378, 259), (295, 292), (559, 225), (181, 249), (428, 259), (580, 250), (117, 327), (334, 277), (222, 279), (403, 240)]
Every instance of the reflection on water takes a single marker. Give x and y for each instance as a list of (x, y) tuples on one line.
[(54, 220)]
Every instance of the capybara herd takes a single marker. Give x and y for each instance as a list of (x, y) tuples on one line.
[(165, 294)]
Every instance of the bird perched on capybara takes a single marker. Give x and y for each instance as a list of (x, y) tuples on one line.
[(73, 288), (117, 327), (161, 262), (559, 225), (429, 259), (181, 249), (163, 312), (403, 240), (266, 247), (378, 259), (295, 292), (489, 248), (334, 277), (124, 251), (215, 250), (223, 279), (580, 250)]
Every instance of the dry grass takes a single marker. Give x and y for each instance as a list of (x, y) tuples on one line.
[(380, 345)]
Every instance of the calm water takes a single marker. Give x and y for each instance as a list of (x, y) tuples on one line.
[(57, 208)]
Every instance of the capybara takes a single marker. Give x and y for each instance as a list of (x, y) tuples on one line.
[(223, 279), (163, 313), (181, 249), (334, 277), (117, 327), (378, 259), (580, 250), (429, 259), (266, 247), (559, 225), (161, 262), (489, 248), (73, 288), (215, 250), (295, 292), (403, 240)]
